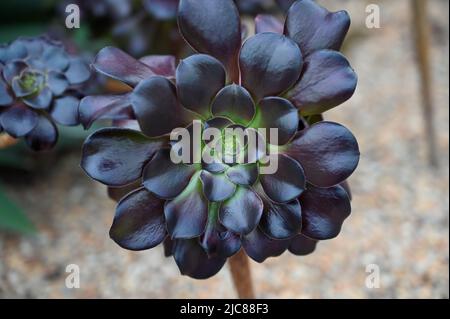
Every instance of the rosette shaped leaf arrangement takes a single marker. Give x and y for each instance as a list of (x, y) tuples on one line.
[(207, 210), (38, 88)]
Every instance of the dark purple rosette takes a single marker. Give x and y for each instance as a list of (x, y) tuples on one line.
[(206, 210), (38, 89)]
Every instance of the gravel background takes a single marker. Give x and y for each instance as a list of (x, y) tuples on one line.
[(400, 217)]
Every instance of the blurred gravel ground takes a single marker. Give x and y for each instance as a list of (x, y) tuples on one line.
[(400, 217)]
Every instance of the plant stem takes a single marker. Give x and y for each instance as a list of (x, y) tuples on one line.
[(6, 141), (242, 277), (422, 34)]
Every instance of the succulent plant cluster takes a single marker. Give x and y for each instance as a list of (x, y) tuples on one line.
[(283, 77), (133, 25), (39, 84)]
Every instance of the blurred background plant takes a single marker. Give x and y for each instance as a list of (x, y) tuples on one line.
[(139, 26)]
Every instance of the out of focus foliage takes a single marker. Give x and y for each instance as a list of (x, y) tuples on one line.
[(129, 24), (12, 218)]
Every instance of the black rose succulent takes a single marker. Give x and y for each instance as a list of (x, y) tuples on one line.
[(38, 88), (205, 212)]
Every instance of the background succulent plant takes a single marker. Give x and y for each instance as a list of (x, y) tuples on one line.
[(134, 25), (38, 88)]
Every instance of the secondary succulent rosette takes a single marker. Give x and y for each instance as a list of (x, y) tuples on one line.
[(206, 212), (135, 25), (38, 88)]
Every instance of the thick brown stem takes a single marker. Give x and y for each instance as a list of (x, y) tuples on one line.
[(422, 34), (242, 277)]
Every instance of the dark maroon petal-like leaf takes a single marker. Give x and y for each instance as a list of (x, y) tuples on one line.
[(116, 156), (5, 96), (163, 65), (242, 212), (65, 110), (302, 246), (40, 100), (54, 57), (35, 46), (199, 78), (105, 107), (165, 178), (328, 152), (268, 23), (287, 183), (324, 211), (139, 222), (20, 90), (131, 124), (57, 82), (117, 193), (252, 7), (44, 135), (187, 214), (218, 122), (156, 107), (15, 51), (235, 103), (217, 240), (285, 4), (270, 64), (259, 246), (78, 71), (13, 69), (243, 174), (216, 33), (18, 120), (216, 187), (314, 28), (281, 221), (327, 81), (193, 261), (118, 65), (162, 9), (215, 166), (280, 114)]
